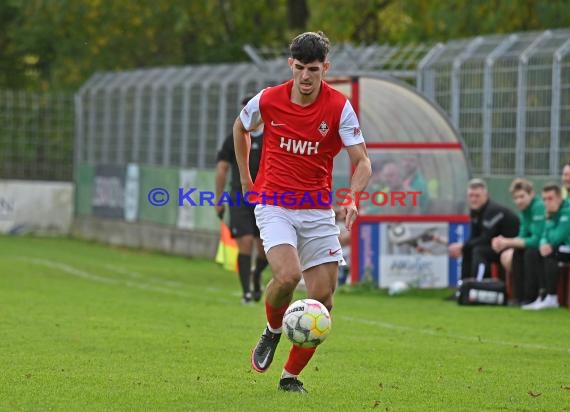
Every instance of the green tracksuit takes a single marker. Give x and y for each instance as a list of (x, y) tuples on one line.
[(557, 228), (532, 223)]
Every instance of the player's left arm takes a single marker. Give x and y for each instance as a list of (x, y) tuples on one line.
[(362, 172), (353, 140)]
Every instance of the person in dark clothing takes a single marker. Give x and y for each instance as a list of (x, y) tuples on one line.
[(242, 218), (488, 220), (554, 247), (517, 253)]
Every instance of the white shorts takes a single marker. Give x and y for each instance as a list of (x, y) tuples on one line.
[(312, 232)]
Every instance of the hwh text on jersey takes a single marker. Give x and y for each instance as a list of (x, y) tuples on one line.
[(299, 146)]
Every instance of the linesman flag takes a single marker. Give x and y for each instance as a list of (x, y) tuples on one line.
[(227, 249)]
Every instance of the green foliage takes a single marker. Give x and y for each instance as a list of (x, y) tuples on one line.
[(89, 327), (58, 44)]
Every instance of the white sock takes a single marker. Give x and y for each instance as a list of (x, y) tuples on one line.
[(278, 330), (286, 374)]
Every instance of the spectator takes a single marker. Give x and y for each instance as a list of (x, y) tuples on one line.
[(517, 252), (488, 220), (553, 247), (242, 218), (414, 179), (384, 203)]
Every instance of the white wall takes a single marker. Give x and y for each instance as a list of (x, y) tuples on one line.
[(35, 206)]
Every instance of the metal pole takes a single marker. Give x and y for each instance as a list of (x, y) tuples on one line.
[(521, 104), (132, 79), (214, 74), (555, 109), (156, 85), (166, 144), (423, 65), (186, 107), (455, 81), (80, 123), (488, 99)]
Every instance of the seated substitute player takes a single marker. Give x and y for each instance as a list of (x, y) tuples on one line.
[(242, 217), (488, 220), (517, 251), (554, 247), (307, 123)]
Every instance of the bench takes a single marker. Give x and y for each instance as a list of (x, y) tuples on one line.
[(563, 282)]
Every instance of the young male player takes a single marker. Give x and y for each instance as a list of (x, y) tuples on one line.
[(306, 124)]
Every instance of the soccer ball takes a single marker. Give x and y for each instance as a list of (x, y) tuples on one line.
[(307, 323)]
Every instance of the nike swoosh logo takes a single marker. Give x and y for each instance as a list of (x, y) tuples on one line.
[(335, 252), (264, 362), (277, 124)]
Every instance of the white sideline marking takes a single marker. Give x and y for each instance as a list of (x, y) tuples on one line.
[(392, 326), (136, 275), (71, 270), (144, 286)]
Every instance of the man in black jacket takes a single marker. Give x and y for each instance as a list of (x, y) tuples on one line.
[(488, 220)]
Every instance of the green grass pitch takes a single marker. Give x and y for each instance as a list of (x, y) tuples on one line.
[(90, 327)]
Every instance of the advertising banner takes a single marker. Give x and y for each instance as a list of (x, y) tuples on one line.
[(412, 252), (108, 197)]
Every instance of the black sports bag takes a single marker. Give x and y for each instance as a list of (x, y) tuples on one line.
[(485, 292)]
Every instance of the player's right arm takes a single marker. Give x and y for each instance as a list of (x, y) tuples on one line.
[(248, 119), (222, 168)]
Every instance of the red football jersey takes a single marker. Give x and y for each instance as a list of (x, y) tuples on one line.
[(299, 144)]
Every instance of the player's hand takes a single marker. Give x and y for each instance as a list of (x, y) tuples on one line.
[(351, 215), (455, 250), (498, 244), (220, 210), (246, 187), (545, 250)]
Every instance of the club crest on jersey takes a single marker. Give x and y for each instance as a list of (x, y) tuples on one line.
[(323, 128)]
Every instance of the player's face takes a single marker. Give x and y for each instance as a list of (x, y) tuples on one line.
[(476, 197), (522, 199), (307, 77), (566, 177), (551, 201)]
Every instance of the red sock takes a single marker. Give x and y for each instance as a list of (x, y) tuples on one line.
[(275, 315), (298, 359)]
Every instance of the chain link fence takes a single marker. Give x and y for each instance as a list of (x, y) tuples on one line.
[(36, 135), (509, 96)]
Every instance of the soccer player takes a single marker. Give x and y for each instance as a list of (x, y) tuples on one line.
[(517, 252), (306, 122), (242, 218)]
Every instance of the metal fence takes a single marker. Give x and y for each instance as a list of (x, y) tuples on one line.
[(36, 135), (509, 96)]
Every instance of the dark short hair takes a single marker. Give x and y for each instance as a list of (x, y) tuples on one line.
[(521, 184), (310, 46), (552, 187), (246, 99)]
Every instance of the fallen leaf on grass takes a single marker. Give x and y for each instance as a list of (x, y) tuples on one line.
[(533, 394)]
